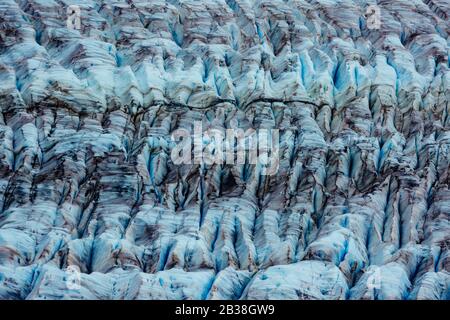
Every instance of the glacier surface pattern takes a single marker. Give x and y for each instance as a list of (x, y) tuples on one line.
[(360, 205)]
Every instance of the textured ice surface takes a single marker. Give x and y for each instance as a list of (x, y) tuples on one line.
[(360, 205)]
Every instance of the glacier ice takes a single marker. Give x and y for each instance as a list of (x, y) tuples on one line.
[(93, 207)]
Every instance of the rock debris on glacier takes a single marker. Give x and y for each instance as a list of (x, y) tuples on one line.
[(360, 205)]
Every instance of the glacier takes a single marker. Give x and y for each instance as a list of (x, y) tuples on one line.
[(94, 207)]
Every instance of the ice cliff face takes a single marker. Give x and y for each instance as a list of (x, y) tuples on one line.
[(359, 207)]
